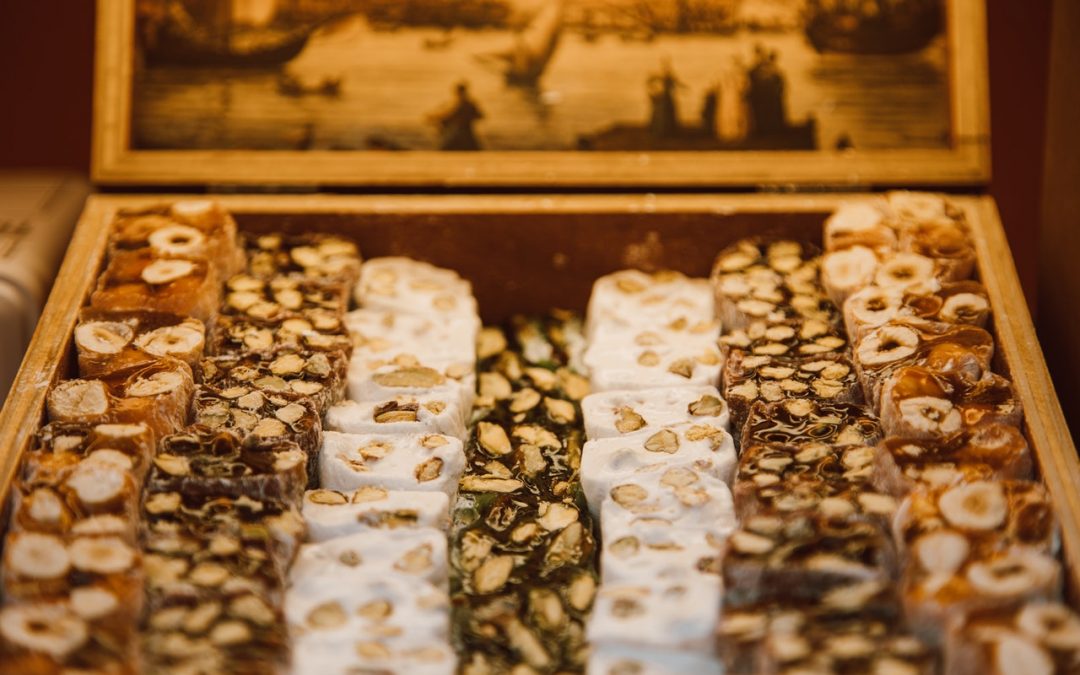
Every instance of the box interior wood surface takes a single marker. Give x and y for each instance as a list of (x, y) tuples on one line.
[(527, 254)]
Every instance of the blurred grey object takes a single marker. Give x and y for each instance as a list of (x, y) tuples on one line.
[(38, 210)]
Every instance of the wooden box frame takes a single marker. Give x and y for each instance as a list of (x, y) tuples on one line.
[(529, 253), (967, 162)]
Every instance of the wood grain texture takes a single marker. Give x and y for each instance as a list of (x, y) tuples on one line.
[(967, 162), (530, 253)]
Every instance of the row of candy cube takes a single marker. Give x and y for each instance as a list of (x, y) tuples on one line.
[(369, 588), (655, 472), (523, 547)]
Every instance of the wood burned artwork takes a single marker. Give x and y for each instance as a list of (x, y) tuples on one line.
[(564, 81)]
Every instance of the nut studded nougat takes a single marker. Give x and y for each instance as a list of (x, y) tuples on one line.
[(986, 451), (317, 256), (962, 302), (918, 402), (418, 288), (643, 301), (397, 462), (835, 481), (143, 281), (618, 413), (966, 350), (771, 281), (797, 422), (797, 338), (245, 411), (607, 461), (186, 229), (318, 376), (985, 544), (1037, 636), (107, 342), (830, 379)]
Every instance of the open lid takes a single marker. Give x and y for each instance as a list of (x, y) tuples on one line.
[(541, 93)]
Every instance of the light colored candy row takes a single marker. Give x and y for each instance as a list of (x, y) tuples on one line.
[(655, 471), (369, 590)]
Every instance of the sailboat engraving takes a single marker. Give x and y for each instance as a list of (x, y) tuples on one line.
[(524, 63)]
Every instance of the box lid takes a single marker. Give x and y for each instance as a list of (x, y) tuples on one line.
[(541, 93)]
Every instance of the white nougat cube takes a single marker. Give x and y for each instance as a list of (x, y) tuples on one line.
[(382, 336), (369, 624), (414, 287), (634, 298), (619, 659), (664, 614), (371, 656), (395, 462), (668, 497), (399, 415), (641, 555), (416, 552), (633, 367), (417, 378), (378, 655), (618, 413), (707, 450), (333, 513)]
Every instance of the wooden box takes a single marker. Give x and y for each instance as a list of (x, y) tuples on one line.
[(533, 253)]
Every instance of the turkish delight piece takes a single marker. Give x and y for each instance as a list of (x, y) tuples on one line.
[(218, 463), (634, 367), (399, 414), (244, 411), (382, 336), (107, 342), (923, 404), (966, 350), (802, 557), (317, 375), (606, 462), (668, 497), (395, 462), (193, 228), (747, 378), (392, 612), (143, 281), (334, 513), (982, 452), (618, 659), (617, 413), (1036, 636), (961, 302), (415, 552), (38, 565), (157, 394), (771, 281), (797, 421), (415, 287), (835, 481), (976, 545), (86, 632), (658, 613), (60, 491), (264, 299), (657, 554), (860, 224), (849, 644), (66, 443), (233, 630), (796, 338), (846, 271), (310, 331), (639, 299), (412, 378), (317, 256)]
